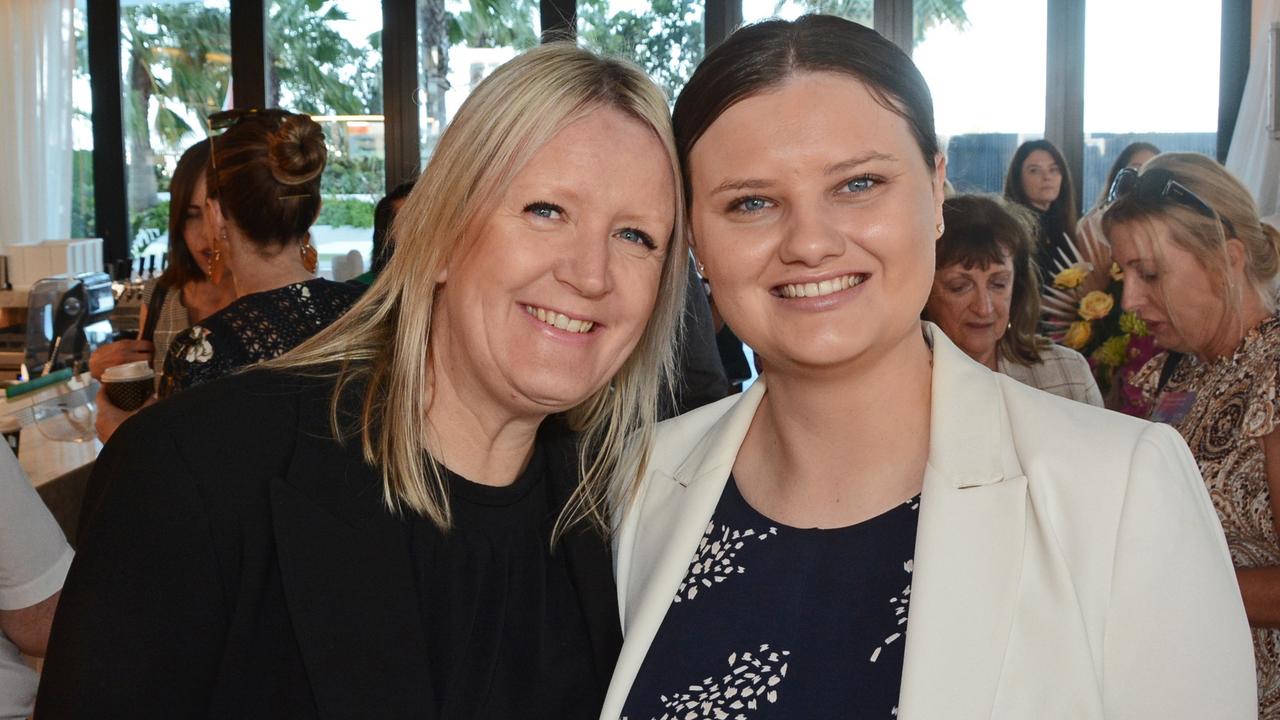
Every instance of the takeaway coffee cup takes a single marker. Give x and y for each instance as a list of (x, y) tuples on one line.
[(12, 431), (128, 386)]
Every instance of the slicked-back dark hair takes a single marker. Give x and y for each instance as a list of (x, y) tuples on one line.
[(759, 57)]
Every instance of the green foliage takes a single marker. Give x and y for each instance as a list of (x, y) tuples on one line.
[(83, 220), (495, 23), (349, 213), (354, 176), (321, 72), (665, 40), (148, 225)]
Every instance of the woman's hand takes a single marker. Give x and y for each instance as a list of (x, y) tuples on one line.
[(119, 353), (111, 417)]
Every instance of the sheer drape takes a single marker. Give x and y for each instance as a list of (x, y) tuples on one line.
[(37, 57), (1254, 156)]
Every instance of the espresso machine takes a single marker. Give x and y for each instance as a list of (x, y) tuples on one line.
[(67, 318)]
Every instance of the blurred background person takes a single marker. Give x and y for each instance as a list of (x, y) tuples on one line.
[(383, 244), (34, 557), (1200, 270), (1038, 179), (986, 297), (184, 294)]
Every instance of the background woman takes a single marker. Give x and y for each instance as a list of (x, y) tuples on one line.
[(1200, 270), (263, 183), (404, 518), (1053, 558), (183, 295), (986, 298), (1038, 179)]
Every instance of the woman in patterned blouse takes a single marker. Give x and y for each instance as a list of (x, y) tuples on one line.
[(1200, 271), (985, 298)]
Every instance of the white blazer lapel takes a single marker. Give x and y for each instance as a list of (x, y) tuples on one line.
[(663, 537), (969, 546)]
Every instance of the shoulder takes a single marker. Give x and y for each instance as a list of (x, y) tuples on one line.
[(1065, 355), (676, 438), (1057, 426)]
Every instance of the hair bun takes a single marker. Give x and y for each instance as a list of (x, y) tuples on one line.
[(296, 151)]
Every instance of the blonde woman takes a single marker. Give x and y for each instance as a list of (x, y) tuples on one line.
[(403, 518), (1200, 270)]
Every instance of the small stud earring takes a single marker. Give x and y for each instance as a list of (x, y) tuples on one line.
[(941, 227), (702, 269)]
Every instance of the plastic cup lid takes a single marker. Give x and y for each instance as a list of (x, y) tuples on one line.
[(128, 371)]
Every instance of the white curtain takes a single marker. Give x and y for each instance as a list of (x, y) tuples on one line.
[(1254, 156), (37, 57)]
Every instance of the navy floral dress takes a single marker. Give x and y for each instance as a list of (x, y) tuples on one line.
[(254, 328), (775, 622)]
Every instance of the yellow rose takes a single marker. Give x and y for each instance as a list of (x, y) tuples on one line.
[(1078, 335), (1071, 278), (1117, 273), (1096, 305)]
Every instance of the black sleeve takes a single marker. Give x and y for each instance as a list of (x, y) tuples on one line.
[(141, 623), (700, 377)]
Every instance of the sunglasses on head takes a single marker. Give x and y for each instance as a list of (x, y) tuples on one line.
[(229, 118), (1160, 185)]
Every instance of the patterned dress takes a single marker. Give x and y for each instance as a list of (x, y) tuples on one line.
[(1223, 409), (254, 328), (783, 623)]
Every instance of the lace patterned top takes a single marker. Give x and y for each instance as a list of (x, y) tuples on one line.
[(1222, 409), (781, 623), (254, 328)]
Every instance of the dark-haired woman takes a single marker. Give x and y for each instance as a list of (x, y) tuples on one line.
[(986, 298), (263, 182), (1038, 179), (183, 296), (880, 526)]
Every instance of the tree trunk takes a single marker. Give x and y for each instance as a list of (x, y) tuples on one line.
[(142, 159), (434, 22)]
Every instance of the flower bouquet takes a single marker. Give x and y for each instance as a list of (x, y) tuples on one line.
[(1080, 308)]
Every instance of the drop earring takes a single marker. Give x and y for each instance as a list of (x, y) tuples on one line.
[(217, 264), (310, 258)]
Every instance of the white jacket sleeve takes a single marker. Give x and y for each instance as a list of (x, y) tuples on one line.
[(34, 555), (1177, 643)]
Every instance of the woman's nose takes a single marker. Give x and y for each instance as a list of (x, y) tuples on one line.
[(810, 237), (584, 264)]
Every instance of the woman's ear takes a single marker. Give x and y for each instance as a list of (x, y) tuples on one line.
[(1237, 257)]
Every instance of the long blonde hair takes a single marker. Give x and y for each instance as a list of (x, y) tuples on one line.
[(382, 344)]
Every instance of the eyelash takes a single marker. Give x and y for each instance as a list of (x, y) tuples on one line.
[(736, 205), (539, 207), (641, 237), (871, 179)]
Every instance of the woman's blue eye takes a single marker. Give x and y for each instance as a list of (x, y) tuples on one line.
[(861, 184), (748, 205), (544, 210), (638, 237)]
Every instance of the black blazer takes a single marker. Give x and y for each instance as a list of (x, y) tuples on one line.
[(237, 562)]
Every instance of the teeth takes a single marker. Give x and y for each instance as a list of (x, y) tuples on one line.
[(818, 289), (559, 321)]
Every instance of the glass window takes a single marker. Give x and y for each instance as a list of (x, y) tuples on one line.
[(985, 63), (1150, 75), (664, 37), (461, 42), (83, 222), (860, 11), (326, 61), (176, 61)]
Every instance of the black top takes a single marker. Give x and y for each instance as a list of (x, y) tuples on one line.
[(775, 622), (253, 328), (237, 561), (505, 633), (1049, 249)]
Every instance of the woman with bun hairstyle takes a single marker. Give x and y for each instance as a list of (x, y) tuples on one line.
[(880, 526), (1200, 270), (183, 296), (263, 184), (1038, 178), (407, 515)]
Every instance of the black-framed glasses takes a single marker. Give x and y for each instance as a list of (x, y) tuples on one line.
[(1158, 184), (227, 118)]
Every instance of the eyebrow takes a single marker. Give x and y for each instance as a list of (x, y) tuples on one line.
[(842, 166)]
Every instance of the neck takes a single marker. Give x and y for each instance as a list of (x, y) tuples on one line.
[(833, 448), (203, 298), (990, 358), (1252, 314), (1042, 207), (473, 436), (256, 270)]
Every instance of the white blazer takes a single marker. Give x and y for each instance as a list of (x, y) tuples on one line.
[(1068, 562)]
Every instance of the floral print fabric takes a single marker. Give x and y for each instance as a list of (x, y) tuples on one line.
[(1223, 409), (254, 328)]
